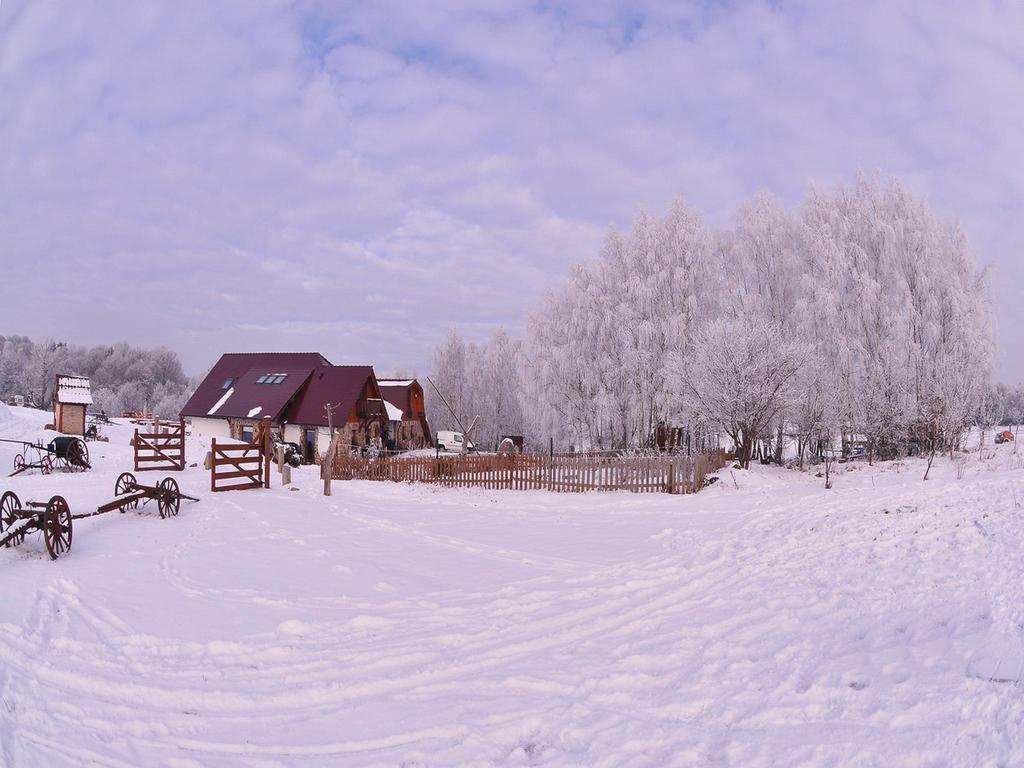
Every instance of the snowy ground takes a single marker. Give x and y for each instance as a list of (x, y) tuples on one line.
[(764, 622)]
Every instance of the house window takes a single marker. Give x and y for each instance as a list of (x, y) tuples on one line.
[(227, 384), (247, 434), (272, 378)]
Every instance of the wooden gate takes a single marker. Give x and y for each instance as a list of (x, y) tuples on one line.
[(241, 465), (162, 448)]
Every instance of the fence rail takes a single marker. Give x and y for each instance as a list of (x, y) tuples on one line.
[(570, 474), (161, 448), (239, 466)]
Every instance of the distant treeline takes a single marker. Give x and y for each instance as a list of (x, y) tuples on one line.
[(124, 377)]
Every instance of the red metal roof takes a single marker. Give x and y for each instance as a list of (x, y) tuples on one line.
[(398, 394), (250, 398), (234, 367), (338, 385)]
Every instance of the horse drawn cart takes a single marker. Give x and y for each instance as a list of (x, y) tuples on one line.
[(52, 518), (130, 493), (65, 452)]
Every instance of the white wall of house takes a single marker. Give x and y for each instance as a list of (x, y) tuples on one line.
[(210, 428), (296, 433)]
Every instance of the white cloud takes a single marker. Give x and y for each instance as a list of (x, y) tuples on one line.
[(354, 178)]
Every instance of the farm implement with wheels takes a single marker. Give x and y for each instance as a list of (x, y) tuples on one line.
[(65, 452), (53, 518), (130, 493)]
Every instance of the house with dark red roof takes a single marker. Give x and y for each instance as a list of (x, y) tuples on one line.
[(296, 390), (408, 429)]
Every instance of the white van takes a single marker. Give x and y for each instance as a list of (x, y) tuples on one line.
[(452, 441)]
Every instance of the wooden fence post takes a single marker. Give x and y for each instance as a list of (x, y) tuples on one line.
[(266, 451), (181, 427), (328, 467), (213, 465)]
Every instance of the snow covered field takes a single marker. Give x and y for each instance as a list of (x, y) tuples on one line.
[(769, 624)]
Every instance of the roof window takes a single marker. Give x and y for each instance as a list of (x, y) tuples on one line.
[(227, 384), (272, 378)]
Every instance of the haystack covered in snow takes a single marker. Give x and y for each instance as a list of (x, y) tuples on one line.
[(72, 395)]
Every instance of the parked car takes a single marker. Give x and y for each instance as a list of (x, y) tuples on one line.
[(1005, 436), (452, 441)]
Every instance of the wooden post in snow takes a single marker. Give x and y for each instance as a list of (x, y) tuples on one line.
[(327, 466), (266, 451)]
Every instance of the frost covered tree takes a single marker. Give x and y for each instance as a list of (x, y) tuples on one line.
[(599, 348), (906, 313), (478, 380), (450, 376), (884, 301), (742, 378), (124, 377)]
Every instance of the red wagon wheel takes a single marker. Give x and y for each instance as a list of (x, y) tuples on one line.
[(8, 517), (57, 527), (126, 484), (168, 497), (46, 465), (19, 464)]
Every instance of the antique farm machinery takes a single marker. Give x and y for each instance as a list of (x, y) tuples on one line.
[(65, 452), (53, 518), (130, 493)]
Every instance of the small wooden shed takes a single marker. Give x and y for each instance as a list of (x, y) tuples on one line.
[(72, 396)]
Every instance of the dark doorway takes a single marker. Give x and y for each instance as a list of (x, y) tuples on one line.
[(309, 445)]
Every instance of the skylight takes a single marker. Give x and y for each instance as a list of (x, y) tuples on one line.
[(272, 378), (227, 384)]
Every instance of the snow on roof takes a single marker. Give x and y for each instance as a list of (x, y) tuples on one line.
[(395, 382), (394, 412), (73, 389), (219, 403), (232, 370)]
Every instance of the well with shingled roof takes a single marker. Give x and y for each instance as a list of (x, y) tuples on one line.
[(72, 396)]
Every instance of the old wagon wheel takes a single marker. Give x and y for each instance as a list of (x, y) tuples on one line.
[(46, 465), (168, 497), (19, 463), (8, 503), (57, 527), (78, 455), (126, 484)]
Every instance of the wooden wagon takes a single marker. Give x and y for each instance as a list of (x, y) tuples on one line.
[(52, 518)]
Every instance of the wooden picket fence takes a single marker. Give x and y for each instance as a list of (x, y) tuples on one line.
[(569, 473), (163, 447)]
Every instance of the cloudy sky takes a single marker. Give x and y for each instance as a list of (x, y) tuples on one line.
[(354, 180)]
